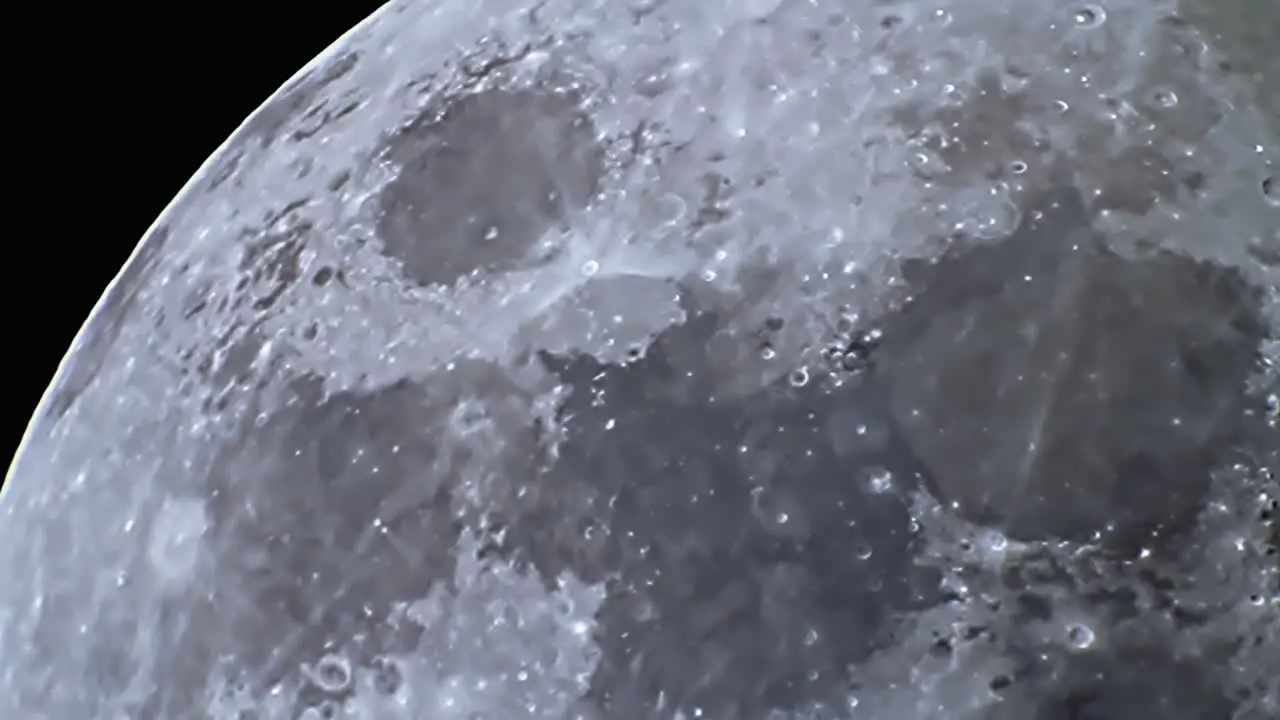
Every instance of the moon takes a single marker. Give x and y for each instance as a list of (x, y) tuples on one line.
[(673, 359)]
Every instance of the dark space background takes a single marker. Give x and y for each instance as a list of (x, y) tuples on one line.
[(117, 108)]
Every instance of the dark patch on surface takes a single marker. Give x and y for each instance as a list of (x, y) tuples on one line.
[(271, 258), (714, 206), (1132, 683), (1057, 390), (324, 112), (104, 326), (272, 264), (1136, 180), (750, 560), (322, 276), (332, 510), (225, 167), (480, 185)]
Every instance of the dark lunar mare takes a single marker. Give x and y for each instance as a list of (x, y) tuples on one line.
[(1059, 390), (1055, 389), (748, 554), (518, 162), (330, 513), (751, 561), (1131, 682), (750, 557)]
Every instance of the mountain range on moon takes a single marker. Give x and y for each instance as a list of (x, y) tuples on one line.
[(683, 359)]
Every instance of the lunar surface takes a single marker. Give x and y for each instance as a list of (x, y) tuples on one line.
[(675, 359)]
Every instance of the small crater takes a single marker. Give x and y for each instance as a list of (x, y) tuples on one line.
[(1090, 16), (1162, 98), (385, 675), (339, 181), (1080, 636), (331, 673), (506, 166), (322, 276), (799, 377)]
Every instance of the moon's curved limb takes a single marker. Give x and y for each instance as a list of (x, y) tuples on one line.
[(295, 465)]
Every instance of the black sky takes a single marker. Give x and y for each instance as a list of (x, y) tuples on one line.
[(117, 109)]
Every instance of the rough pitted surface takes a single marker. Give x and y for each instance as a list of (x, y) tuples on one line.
[(671, 359)]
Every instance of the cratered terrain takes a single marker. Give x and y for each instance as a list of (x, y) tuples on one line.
[(752, 359)]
